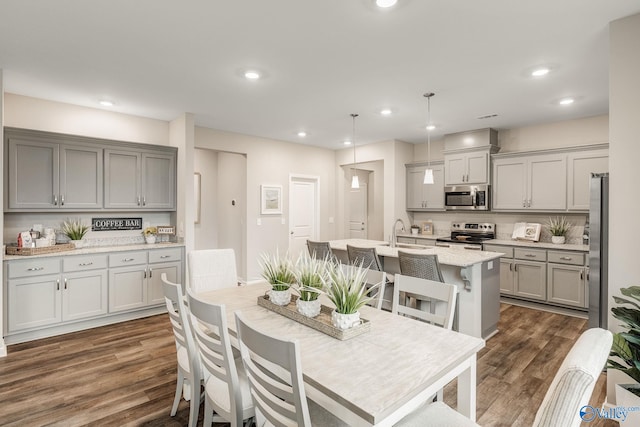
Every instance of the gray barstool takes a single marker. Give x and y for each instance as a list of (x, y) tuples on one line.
[(319, 250), (367, 257), (424, 266)]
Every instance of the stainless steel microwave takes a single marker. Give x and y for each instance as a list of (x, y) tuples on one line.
[(467, 198)]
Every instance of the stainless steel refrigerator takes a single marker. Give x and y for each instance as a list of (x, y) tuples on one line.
[(599, 250)]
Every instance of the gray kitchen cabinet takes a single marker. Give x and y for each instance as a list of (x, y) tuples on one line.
[(33, 302), (169, 261), (467, 168), (46, 175), (403, 239), (84, 294), (139, 180), (507, 277), (421, 196), (530, 183), (567, 278), (530, 280), (580, 166)]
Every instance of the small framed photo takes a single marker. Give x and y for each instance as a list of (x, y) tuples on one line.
[(427, 227), (271, 199)]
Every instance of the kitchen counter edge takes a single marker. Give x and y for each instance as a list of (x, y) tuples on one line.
[(97, 250)]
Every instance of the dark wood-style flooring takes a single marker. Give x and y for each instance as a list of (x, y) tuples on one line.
[(124, 374)]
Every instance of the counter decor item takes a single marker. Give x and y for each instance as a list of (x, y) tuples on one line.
[(310, 273), (415, 230), (526, 231), (559, 227), (347, 290), (149, 234), (13, 249), (279, 272), (75, 230)]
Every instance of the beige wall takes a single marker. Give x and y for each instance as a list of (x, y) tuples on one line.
[(3, 348), (624, 152)]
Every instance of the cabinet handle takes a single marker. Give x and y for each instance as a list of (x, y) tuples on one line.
[(138, 200), (515, 267), (530, 255), (566, 258), (84, 264), (165, 256), (61, 200), (144, 201), (510, 267), (443, 245), (474, 248), (524, 203), (65, 283), (529, 203), (581, 274), (55, 200), (128, 259), (35, 269), (145, 274), (58, 284), (150, 272)]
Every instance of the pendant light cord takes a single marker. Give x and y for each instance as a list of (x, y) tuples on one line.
[(428, 95), (354, 141)]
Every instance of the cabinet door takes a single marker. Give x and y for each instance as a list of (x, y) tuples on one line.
[(33, 175), (434, 193), (127, 288), (506, 276), (455, 169), (33, 302), (84, 294), (158, 181), (547, 182), (80, 177), (580, 166), (477, 168), (509, 184), (154, 281), (122, 186), (415, 183), (531, 280), (566, 285)]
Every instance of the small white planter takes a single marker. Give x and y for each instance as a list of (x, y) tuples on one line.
[(280, 297), (77, 243), (558, 240), (150, 239), (308, 308), (345, 321)]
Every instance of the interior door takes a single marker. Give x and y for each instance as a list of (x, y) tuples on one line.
[(303, 211), (358, 212)]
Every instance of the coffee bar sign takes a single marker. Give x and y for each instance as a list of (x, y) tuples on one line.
[(110, 224)]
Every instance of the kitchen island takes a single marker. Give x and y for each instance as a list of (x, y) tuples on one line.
[(475, 273)]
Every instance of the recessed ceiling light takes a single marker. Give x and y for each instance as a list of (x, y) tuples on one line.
[(302, 134), (386, 3), (540, 72), (386, 111), (252, 75), (347, 143), (566, 101), (106, 103), (431, 127)]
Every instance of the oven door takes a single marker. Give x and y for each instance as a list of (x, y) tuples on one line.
[(447, 243)]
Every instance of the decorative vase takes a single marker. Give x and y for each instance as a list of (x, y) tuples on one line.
[(150, 239), (77, 243), (345, 321), (308, 308), (558, 240), (280, 297)]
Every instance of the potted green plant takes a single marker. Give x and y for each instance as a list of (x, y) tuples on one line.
[(310, 276), (150, 234), (279, 272), (559, 227), (75, 230), (625, 351), (347, 289)]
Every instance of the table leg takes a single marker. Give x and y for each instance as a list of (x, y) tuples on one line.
[(467, 390)]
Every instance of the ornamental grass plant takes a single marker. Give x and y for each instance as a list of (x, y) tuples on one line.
[(74, 229), (277, 270), (347, 288), (310, 276)]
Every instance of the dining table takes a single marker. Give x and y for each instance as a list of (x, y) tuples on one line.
[(377, 377)]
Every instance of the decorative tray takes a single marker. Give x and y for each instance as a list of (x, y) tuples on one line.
[(15, 250), (322, 322)]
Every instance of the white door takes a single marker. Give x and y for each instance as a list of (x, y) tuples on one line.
[(358, 212), (303, 211)]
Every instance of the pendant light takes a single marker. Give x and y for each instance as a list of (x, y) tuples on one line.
[(355, 183), (428, 173)]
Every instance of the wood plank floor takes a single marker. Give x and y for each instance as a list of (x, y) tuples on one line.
[(124, 374)]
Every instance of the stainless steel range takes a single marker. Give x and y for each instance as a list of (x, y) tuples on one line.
[(468, 234)]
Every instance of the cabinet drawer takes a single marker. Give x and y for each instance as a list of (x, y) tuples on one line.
[(33, 267), (530, 254), (85, 262), (165, 255), (506, 250), (562, 257), (121, 259)]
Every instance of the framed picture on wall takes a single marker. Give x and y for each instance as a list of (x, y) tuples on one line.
[(270, 199), (427, 227)]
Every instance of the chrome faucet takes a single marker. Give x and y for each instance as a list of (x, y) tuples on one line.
[(394, 236)]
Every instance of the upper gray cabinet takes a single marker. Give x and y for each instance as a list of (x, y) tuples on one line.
[(139, 180), (49, 175), (421, 196), (467, 156)]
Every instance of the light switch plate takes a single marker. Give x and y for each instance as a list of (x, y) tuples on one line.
[(259, 221)]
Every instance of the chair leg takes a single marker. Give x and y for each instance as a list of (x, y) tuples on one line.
[(176, 398), (440, 396), (208, 414), (194, 407)]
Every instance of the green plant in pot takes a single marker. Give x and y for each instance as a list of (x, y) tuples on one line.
[(279, 272), (625, 351), (310, 276), (75, 230), (559, 227), (347, 289)]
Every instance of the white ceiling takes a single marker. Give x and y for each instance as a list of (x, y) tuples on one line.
[(323, 59)]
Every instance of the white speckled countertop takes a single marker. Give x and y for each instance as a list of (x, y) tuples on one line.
[(98, 249), (539, 245)]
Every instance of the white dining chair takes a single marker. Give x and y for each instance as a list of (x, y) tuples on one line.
[(440, 297), (226, 389), (382, 294), (275, 378), (569, 391), (211, 269), (189, 368)]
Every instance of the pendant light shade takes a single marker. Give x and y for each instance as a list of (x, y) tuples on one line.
[(428, 173), (355, 183)]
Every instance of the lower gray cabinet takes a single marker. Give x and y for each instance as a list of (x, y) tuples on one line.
[(33, 302), (507, 276), (84, 294), (530, 280)]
